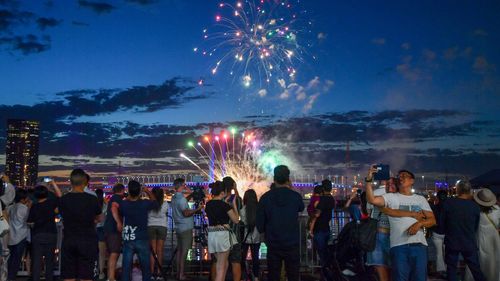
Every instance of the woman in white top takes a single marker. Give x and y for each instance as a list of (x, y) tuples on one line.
[(157, 228), (18, 217), (488, 238), (252, 237)]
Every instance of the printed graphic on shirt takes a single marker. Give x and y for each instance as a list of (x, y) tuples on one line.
[(412, 208), (129, 233)]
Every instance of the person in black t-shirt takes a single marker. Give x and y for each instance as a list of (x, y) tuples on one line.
[(278, 217), (44, 232), (320, 225), (220, 237), (460, 220), (135, 230), (79, 212)]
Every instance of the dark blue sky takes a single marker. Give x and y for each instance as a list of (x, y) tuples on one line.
[(397, 56)]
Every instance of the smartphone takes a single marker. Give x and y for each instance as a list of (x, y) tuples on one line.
[(231, 198), (382, 173), (47, 179), (359, 191)]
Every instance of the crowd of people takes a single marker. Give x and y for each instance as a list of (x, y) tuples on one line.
[(125, 233), (467, 224)]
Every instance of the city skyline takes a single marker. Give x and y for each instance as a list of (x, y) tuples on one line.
[(414, 85)]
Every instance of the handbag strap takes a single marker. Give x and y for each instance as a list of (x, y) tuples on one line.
[(492, 223)]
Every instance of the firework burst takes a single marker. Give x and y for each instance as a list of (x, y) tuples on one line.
[(241, 156), (255, 41)]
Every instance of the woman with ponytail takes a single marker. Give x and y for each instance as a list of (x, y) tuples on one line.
[(252, 238), (157, 229)]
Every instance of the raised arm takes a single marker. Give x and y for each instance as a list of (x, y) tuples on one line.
[(57, 191), (349, 201), (370, 197)]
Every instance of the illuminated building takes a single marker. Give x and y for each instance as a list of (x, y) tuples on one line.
[(22, 152)]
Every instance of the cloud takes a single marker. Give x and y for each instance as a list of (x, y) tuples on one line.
[(408, 72), (262, 93), (482, 65), (44, 23), (406, 46), (97, 6), (28, 44), (378, 41), (79, 23), (418, 138), (429, 55), (70, 105), (11, 18), (282, 83), (480, 33), (143, 2), (308, 93)]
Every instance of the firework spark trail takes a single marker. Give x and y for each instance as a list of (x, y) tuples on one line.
[(251, 168), (260, 37)]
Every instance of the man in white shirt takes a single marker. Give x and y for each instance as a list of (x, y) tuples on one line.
[(407, 240)]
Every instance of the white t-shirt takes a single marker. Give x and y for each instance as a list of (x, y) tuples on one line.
[(399, 226), (18, 215), (158, 218), (383, 219), (254, 237)]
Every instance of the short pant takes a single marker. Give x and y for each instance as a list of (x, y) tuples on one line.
[(221, 241), (185, 239), (235, 254), (79, 258), (100, 234), (380, 256), (157, 233), (113, 242)]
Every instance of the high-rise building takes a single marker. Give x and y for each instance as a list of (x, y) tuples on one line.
[(22, 152)]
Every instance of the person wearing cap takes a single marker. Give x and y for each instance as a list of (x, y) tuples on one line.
[(488, 240), (408, 246), (459, 220)]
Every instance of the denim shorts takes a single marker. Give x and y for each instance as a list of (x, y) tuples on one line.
[(380, 256)]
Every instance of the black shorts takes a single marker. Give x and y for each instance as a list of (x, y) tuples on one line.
[(79, 258), (113, 242), (235, 254)]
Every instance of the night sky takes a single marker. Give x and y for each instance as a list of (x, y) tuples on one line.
[(414, 84)]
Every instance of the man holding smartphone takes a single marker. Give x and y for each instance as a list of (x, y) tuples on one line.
[(408, 244)]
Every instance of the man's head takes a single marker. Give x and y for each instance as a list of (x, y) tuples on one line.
[(406, 179), (229, 184), (218, 188), (134, 189), (327, 186), (78, 178), (179, 184), (118, 189), (281, 175), (21, 195), (463, 187), (41, 192)]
